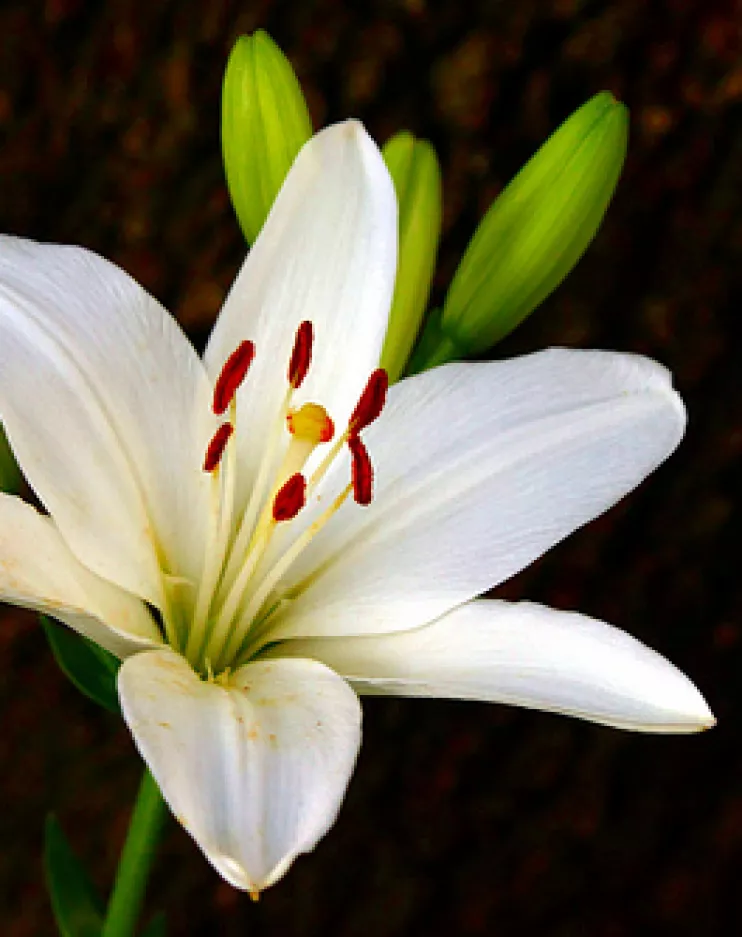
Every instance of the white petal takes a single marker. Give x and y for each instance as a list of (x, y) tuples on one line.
[(255, 771), (327, 253), (105, 402), (38, 571), (526, 655), (479, 470)]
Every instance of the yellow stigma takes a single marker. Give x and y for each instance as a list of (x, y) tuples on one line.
[(311, 422)]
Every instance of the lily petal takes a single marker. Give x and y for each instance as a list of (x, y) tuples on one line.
[(479, 470), (255, 770), (103, 399), (327, 253), (525, 655), (38, 571)]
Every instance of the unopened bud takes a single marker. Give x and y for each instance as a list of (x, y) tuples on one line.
[(265, 122), (413, 165), (537, 229)]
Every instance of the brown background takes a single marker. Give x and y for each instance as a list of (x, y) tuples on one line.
[(462, 819)]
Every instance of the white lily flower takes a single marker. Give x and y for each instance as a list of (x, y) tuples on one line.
[(221, 554)]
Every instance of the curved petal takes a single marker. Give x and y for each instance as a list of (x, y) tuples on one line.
[(526, 655), (479, 470), (38, 571), (327, 253), (105, 404), (256, 769)]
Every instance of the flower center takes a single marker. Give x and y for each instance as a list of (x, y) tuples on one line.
[(247, 556)]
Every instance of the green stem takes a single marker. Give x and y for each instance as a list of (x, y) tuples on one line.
[(145, 827)]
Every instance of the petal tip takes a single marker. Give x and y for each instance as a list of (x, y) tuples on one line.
[(349, 132), (353, 128), (703, 720), (235, 873), (691, 712)]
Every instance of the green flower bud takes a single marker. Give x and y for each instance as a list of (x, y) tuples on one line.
[(537, 229), (265, 122), (414, 167), (10, 476)]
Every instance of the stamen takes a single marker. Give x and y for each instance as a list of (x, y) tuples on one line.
[(232, 375), (311, 422), (370, 403), (301, 356), (217, 446), (362, 472), (290, 498)]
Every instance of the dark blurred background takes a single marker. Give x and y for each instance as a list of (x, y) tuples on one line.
[(462, 819)]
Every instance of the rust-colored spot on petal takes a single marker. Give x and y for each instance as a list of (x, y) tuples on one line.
[(232, 375), (217, 446), (362, 473), (371, 401), (301, 356), (290, 498)]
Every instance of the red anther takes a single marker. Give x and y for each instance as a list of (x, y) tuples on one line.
[(232, 375), (301, 356), (371, 401), (362, 473), (290, 498), (217, 446)]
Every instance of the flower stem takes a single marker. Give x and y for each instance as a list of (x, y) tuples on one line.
[(145, 827)]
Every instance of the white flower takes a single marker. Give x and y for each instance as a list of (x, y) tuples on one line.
[(250, 597)]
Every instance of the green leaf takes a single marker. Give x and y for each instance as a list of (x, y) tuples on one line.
[(89, 667), (157, 927), (77, 907), (10, 475)]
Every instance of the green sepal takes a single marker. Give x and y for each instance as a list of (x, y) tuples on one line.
[(415, 171), (10, 474), (77, 907), (265, 122), (538, 228), (89, 667), (157, 927)]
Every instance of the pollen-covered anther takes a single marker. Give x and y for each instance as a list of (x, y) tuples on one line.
[(370, 403), (216, 447), (362, 473), (290, 498), (232, 375), (311, 422), (301, 356)]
